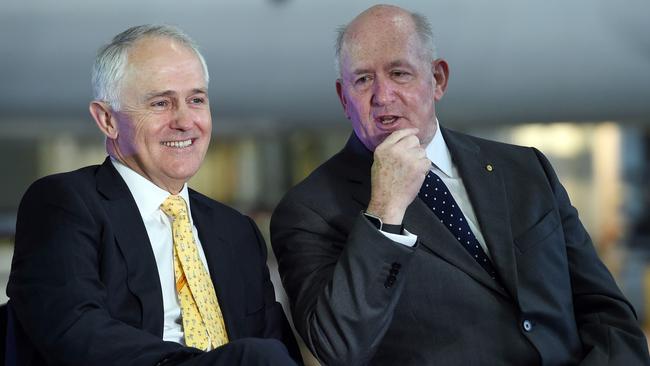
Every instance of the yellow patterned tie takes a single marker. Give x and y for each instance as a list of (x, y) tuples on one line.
[(202, 319)]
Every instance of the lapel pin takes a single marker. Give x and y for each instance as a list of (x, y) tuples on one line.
[(489, 167)]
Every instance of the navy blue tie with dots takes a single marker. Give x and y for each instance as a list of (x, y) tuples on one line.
[(436, 195)]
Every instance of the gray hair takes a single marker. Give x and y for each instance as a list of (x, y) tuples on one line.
[(422, 29), (111, 61)]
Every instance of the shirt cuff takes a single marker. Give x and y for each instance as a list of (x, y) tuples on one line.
[(407, 238)]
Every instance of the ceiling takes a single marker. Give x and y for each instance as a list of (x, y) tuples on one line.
[(272, 61)]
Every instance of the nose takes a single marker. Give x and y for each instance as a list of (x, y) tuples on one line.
[(382, 92), (183, 118)]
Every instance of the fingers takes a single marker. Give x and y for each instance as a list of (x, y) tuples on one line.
[(398, 135), (424, 164), (400, 142), (399, 167), (417, 152)]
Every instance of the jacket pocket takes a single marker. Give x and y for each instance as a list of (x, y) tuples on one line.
[(538, 232)]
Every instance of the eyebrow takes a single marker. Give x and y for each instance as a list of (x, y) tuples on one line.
[(361, 71), (154, 94), (200, 91), (168, 93), (399, 63), (396, 63)]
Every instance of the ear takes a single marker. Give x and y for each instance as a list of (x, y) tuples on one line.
[(342, 98), (440, 70), (105, 118)]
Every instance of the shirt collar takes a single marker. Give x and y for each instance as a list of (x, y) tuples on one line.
[(148, 196), (438, 152)]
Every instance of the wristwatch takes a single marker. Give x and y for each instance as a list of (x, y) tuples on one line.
[(389, 228)]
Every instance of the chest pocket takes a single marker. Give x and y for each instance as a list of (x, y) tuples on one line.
[(538, 232)]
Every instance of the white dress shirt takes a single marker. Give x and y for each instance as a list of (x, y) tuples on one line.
[(148, 197), (443, 166)]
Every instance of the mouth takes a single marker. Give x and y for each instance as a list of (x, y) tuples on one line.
[(386, 120), (178, 144)]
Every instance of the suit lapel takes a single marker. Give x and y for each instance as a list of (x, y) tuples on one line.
[(487, 194), (220, 257), (133, 241), (436, 238)]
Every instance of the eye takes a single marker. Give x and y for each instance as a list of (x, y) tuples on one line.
[(160, 104), (401, 75), (198, 100), (363, 80)]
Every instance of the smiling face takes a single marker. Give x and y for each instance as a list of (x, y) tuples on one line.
[(388, 82), (162, 130)]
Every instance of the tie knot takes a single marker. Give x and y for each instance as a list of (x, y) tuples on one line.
[(174, 206)]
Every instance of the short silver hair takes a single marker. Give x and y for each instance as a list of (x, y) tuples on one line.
[(422, 28), (111, 61)]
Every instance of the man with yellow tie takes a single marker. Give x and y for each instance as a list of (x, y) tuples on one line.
[(121, 263)]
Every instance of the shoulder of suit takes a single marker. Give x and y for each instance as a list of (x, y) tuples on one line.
[(62, 188), (197, 198), (517, 159), (327, 175), (483, 142), (72, 179)]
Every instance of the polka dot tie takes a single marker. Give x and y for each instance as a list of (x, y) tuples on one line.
[(436, 195), (203, 324)]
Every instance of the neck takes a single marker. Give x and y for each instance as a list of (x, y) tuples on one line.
[(171, 186)]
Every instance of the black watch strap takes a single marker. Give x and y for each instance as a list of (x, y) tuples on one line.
[(393, 229), (376, 221)]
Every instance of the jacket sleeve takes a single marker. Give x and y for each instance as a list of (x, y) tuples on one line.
[(343, 286), (55, 287), (607, 323)]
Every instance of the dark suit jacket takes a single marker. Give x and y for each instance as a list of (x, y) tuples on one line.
[(84, 283), (443, 307)]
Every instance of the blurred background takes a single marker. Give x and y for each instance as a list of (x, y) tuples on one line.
[(570, 78)]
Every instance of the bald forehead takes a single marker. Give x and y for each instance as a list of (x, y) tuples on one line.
[(382, 13), (377, 25), (146, 48)]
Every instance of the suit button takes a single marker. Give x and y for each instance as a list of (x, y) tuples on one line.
[(390, 281), (396, 266), (527, 325)]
